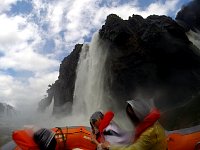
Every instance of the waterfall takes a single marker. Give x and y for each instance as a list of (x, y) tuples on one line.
[(194, 37), (89, 93), (7, 110)]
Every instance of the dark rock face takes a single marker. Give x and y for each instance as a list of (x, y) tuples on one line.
[(155, 54), (151, 57), (62, 90), (189, 16)]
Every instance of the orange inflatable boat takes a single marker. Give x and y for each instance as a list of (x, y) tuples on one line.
[(67, 138), (184, 139), (184, 142)]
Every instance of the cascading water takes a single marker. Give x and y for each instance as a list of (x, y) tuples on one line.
[(7, 112), (194, 37), (89, 93)]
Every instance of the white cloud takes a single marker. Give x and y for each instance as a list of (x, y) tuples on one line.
[(10, 32), (160, 8), (19, 53), (5, 4), (55, 14), (20, 42), (19, 93), (27, 60), (15, 32)]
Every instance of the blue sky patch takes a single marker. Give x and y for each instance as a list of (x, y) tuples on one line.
[(21, 7), (62, 34), (45, 26), (88, 38), (48, 46), (109, 3), (18, 74), (1, 54), (145, 3)]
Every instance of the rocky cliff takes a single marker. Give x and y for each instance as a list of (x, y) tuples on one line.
[(152, 55), (63, 88), (148, 58)]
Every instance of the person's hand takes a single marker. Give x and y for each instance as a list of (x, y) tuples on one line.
[(93, 139), (105, 145)]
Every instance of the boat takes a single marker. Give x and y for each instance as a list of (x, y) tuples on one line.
[(184, 139), (79, 137)]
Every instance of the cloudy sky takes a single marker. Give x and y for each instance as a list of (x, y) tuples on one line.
[(35, 35)]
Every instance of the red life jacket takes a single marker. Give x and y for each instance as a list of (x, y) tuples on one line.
[(108, 116), (148, 121)]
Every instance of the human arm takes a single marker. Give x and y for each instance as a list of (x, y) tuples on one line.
[(93, 139)]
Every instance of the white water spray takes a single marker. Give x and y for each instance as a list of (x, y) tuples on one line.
[(89, 94), (194, 37)]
